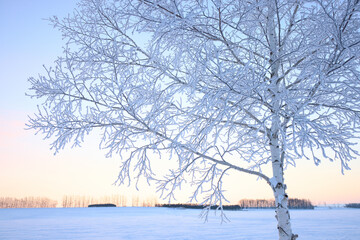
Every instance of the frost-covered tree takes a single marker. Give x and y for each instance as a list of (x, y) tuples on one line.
[(216, 86)]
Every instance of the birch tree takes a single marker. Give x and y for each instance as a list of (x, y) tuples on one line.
[(216, 86)]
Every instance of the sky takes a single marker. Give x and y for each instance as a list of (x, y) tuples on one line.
[(28, 167)]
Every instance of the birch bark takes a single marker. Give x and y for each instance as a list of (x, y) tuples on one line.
[(278, 186)]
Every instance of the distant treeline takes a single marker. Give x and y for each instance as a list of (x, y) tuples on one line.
[(27, 202), (135, 201), (102, 205), (293, 203), (352, 205), (76, 201), (196, 206), (118, 200), (85, 201)]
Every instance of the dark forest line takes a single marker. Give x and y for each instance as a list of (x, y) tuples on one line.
[(293, 203), (197, 206), (352, 205)]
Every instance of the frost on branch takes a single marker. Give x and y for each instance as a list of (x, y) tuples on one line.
[(214, 86)]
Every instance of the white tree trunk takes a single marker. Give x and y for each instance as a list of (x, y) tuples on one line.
[(281, 198), (277, 157)]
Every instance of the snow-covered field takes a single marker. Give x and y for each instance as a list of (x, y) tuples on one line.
[(163, 223)]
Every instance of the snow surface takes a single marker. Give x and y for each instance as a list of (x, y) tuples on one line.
[(173, 224)]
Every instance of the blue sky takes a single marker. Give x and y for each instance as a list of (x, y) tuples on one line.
[(27, 42), (29, 168)]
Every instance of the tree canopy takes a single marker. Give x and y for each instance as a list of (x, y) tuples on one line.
[(215, 85)]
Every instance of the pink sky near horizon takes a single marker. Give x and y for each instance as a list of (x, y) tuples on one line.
[(29, 168)]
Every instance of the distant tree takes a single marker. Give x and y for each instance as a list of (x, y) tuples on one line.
[(85, 201), (27, 202), (352, 205), (263, 203), (219, 86), (135, 201)]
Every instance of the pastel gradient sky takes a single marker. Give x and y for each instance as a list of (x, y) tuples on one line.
[(28, 166)]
